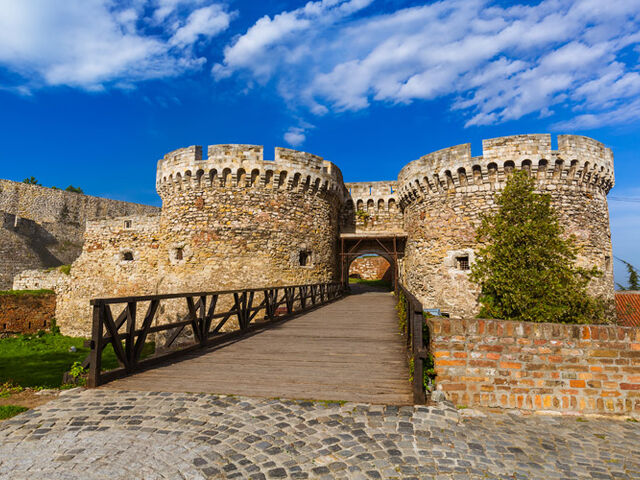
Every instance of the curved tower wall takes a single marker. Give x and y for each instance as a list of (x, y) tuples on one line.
[(235, 220), (444, 193)]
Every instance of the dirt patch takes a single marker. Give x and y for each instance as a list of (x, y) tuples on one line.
[(28, 398)]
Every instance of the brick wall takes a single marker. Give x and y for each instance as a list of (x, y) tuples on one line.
[(371, 268), (26, 313), (537, 366)]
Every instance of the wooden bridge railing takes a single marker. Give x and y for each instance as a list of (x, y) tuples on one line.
[(201, 317), (415, 342)]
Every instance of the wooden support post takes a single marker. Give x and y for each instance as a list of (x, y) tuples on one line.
[(95, 365)]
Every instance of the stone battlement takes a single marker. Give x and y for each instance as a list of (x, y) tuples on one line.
[(580, 162), (244, 166)]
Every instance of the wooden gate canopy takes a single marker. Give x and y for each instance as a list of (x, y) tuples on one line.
[(200, 315), (389, 245)]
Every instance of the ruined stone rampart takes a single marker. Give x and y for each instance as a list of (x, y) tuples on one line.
[(444, 193), (43, 227)]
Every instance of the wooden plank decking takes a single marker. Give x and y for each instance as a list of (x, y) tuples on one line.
[(348, 350)]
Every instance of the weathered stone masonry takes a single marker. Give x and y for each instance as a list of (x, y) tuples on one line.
[(234, 220), (42, 227)]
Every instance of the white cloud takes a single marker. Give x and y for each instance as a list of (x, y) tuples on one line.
[(295, 136), (268, 33), (205, 21), (496, 63), (92, 43)]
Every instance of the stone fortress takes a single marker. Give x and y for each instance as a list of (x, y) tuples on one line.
[(236, 220)]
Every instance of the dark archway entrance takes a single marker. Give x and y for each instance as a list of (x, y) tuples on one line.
[(390, 246)]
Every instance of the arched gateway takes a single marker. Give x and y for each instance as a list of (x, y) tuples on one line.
[(389, 246)]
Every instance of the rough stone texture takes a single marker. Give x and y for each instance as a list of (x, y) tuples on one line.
[(49, 279), (538, 366), (26, 313), (443, 195), (102, 271), (236, 221), (371, 268), (379, 200), (121, 435), (42, 227)]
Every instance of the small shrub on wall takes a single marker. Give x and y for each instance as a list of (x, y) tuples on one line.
[(526, 268)]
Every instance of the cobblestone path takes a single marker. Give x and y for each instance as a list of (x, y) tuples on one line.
[(107, 434)]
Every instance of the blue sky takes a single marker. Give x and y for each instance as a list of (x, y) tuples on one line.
[(94, 92)]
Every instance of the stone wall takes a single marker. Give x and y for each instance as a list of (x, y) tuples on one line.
[(537, 366), (444, 194), (26, 313), (105, 268), (379, 203), (371, 268), (49, 279), (42, 227)]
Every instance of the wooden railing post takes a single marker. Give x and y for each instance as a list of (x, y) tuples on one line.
[(417, 348), (95, 356)]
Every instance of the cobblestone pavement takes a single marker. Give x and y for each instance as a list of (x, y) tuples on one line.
[(107, 434)]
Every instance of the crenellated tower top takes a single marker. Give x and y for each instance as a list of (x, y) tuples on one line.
[(579, 163), (245, 166)]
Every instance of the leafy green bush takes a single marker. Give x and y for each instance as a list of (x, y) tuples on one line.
[(634, 283), (78, 372), (31, 181), (526, 269), (73, 189)]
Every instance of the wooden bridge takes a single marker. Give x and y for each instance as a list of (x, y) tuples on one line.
[(321, 345)]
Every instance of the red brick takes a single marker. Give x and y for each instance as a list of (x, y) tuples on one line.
[(630, 386), (450, 363), (510, 365), (448, 387)]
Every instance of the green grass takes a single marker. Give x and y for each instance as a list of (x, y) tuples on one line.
[(40, 360), (19, 293), (66, 269), (373, 283), (8, 411)]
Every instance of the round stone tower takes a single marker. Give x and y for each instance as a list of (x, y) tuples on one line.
[(235, 220), (444, 193)]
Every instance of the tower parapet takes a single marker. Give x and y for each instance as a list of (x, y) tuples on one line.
[(378, 205), (579, 163), (244, 166)]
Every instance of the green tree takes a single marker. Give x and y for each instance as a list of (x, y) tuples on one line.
[(634, 283), (525, 268), (31, 181), (73, 189)]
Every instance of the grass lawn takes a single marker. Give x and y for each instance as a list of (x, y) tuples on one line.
[(373, 283), (40, 360), (8, 411)]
